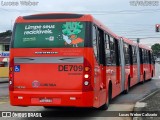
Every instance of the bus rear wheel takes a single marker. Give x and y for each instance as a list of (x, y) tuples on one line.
[(106, 105)]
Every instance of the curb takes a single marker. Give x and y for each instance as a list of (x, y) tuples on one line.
[(140, 105), (3, 81)]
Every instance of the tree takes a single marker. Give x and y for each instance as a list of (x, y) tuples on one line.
[(5, 34), (156, 49)]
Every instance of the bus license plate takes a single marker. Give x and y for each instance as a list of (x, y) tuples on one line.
[(45, 100)]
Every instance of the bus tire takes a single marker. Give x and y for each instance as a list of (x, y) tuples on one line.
[(152, 73), (106, 105), (151, 76), (128, 86), (144, 77)]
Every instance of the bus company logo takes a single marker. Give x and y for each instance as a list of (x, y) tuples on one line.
[(35, 84)]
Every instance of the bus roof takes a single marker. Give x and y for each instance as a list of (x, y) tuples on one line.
[(145, 47), (135, 44), (129, 41), (62, 17), (99, 24), (53, 17)]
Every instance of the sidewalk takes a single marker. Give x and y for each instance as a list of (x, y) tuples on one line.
[(3, 80), (150, 103)]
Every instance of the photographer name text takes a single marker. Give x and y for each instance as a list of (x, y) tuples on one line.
[(19, 3)]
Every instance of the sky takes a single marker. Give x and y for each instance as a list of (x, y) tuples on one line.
[(129, 18)]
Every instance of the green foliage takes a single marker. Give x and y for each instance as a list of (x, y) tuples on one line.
[(156, 49), (5, 34), (71, 28)]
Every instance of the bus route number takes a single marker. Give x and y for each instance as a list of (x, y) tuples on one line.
[(70, 68)]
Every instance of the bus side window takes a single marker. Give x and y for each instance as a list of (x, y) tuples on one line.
[(134, 56), (126, 54), (112, 51), (149, 54), (130, 55), (152, 58), (141, 56), (107, 50), (148, 57), (117, 52), (101, 45), (94, 39)]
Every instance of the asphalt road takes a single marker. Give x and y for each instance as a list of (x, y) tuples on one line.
[(123, 102), (3, 89)]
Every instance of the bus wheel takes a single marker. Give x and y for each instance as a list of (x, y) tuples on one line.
[(144, 77), (128, 86), (151, 76), (106, 105), (152, 73)]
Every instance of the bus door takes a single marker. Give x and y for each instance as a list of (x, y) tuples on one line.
[(150, 65), (108, 59), (115, 69), (113, 61), (135, 66), (131, 61), (102, 59), (101, 50), (99, 68), (141, 61), (118, 61)]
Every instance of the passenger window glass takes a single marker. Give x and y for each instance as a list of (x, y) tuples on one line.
[(107, 50), (112, 51), (126, 52), (134, 55), (94, 41)]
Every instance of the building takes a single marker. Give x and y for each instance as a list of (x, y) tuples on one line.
[(4, 55)]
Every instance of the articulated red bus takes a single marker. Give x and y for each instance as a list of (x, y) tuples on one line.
[(63, 59)]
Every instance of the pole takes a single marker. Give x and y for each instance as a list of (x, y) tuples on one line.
[(138, 40)]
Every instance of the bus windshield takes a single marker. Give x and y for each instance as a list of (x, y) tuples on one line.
[(48, 35)]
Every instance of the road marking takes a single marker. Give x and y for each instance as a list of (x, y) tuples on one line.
[(120, 107), (149, 95), (155, 78), (140, 104), (2, 102)]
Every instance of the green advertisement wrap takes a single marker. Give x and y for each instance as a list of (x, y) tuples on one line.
[(48, 35)]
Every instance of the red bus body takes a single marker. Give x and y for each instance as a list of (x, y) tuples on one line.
[(72, 76)]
